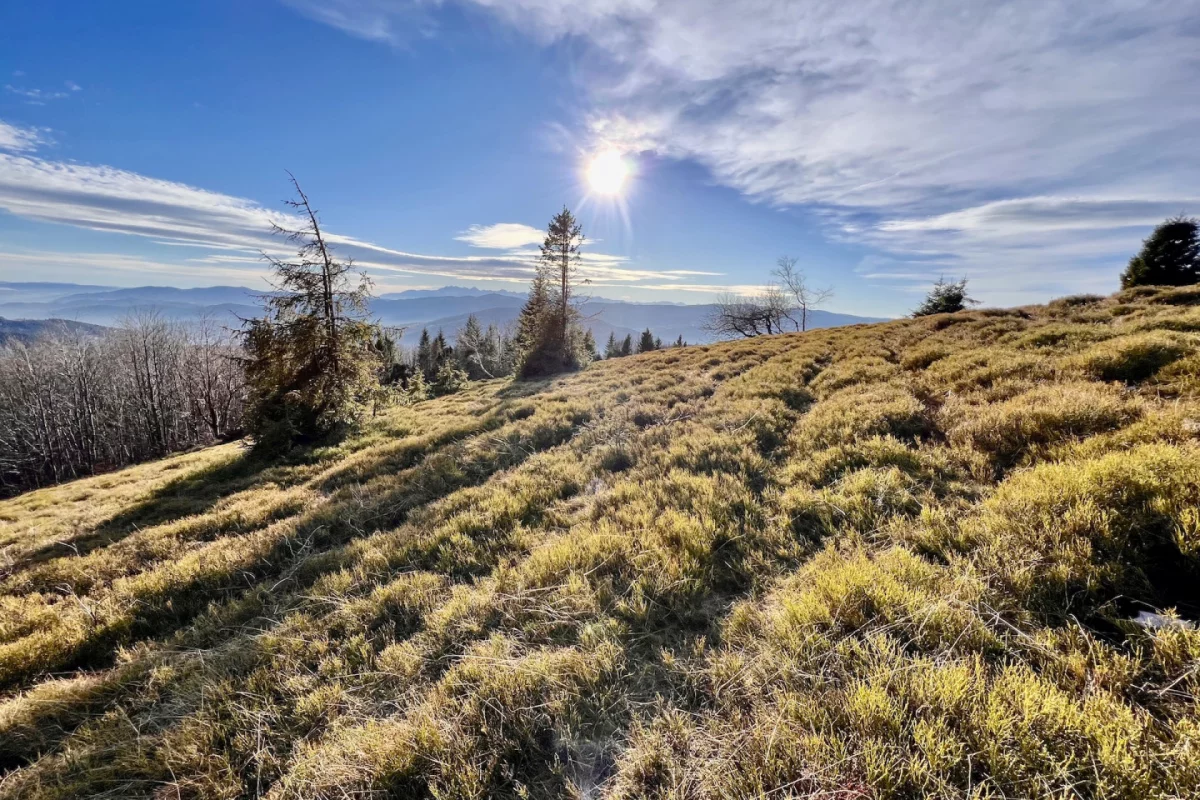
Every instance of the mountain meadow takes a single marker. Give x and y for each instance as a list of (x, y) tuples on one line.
[(952, 556)]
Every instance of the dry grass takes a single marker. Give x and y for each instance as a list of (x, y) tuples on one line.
[(891, 561)]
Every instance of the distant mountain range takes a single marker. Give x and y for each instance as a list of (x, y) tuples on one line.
[(443, 309)]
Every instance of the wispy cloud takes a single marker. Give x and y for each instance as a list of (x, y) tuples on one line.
[(36, 97), (385, 21), (501, 236), (17, 139), (875, 111), (229, 232)]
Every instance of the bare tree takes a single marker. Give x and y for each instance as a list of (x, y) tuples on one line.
[(804, 297), (79, 404), (740, 315), (787, 300)]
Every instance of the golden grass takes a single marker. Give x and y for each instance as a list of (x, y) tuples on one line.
[(886, 561)]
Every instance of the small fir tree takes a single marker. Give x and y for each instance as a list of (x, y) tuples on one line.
[(312, 362), (1170, 256), (946, 297)]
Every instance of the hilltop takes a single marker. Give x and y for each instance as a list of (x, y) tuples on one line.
[(30, 330), (951, 556)]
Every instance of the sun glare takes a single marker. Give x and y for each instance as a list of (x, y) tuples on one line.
[(607, 172)]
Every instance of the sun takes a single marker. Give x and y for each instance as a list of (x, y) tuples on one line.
[(607, 172)]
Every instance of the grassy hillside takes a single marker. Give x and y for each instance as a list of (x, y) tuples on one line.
[(885, 561)]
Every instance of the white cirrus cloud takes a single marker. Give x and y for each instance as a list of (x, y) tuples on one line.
[(230, 231), (501, 236)]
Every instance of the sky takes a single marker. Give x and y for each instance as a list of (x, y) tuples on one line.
[(1028, 146)]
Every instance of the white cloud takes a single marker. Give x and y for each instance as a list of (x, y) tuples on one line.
[(234, 230), (17, 139), (1004, 218), (501, 236), (36, 97), (374, 20), (883, 110), (73, 86)]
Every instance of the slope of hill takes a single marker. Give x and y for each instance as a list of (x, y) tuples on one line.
[(29, 330), (929, 557)]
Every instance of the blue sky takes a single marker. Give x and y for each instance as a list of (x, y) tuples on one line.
[(1028, 146)]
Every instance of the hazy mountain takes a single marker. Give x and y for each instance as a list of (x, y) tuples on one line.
[(667, 321), (448, 291), (446, 308), (30, 330), (410, 311)]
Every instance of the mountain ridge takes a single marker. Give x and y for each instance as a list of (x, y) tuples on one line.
[(411, 309)]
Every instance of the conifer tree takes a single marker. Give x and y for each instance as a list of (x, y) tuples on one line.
[(627, 345), (646, 342), (532, 322), (549, 337), (589, 345), (441, 351), (312, 366), (612, 349), (560, 259), (946, 297), (425, 354), (1170, 256)]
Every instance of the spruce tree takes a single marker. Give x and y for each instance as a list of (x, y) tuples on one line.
[(612, 349), (946, 297), (589, 345), (646, 342), (549, 337), (425, 361), (532, 328), (312, 361), (560, 259), (1169, 257), (627, 345), (442, 352)]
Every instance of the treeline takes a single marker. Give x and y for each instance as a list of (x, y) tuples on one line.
[(646, 342), (77, 405)]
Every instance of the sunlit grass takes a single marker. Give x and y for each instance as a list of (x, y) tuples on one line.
[(897, 560)]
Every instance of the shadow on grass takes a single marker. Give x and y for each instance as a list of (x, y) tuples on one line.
[(192, 493)]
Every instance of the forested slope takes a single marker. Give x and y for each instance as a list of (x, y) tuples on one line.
[(892, 560)]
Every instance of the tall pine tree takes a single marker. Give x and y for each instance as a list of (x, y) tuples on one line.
[(548, 333)]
